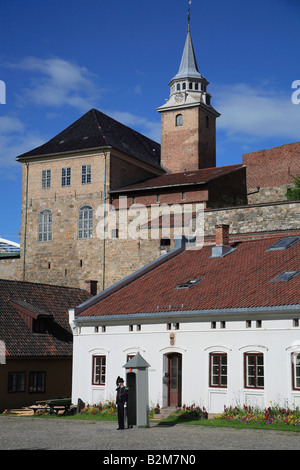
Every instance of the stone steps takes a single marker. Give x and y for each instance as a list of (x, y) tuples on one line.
[(164, 413)]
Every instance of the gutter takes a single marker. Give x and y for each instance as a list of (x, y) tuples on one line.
[(274, 312)]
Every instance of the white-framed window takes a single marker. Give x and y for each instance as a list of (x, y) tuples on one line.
[(86, 174), (253, 370), (46, 178), (296, 370), (45, 226), (66, 176), (99, 370), (218, 369), (85, 222)]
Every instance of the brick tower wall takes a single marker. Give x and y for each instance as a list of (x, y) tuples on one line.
[(190, 146)]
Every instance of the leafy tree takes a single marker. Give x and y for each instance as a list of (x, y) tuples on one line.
[(294, 193)]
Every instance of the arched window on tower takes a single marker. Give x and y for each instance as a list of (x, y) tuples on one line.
[(85, 222), (179, 120), (178, 86), (45, 226)]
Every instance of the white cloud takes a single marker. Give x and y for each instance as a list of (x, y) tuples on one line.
[(57, 82), (151, 129), (10, 125), (14, 141), (262, 112)]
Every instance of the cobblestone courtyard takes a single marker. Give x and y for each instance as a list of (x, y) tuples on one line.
[(22, 433)]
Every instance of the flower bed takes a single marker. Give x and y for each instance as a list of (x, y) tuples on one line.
[(106, 409), (191, 412), (271, 415)]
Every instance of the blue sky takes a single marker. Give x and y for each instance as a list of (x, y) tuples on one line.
[(60, 58)]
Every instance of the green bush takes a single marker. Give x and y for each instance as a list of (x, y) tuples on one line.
[(294, 193)]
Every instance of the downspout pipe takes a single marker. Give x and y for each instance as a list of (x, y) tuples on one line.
[(103, 246), (25, 222)]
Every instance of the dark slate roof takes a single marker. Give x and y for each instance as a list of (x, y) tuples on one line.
[(191, 177), (243, 279), (40, 299), (95, 130)]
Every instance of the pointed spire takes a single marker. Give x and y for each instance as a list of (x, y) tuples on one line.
[(188, 65)]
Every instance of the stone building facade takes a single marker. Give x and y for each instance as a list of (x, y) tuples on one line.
[(65, 235)]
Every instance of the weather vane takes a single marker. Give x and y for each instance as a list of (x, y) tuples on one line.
[(189, 14)]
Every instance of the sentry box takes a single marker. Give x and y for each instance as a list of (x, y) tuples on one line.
[(138, 394)]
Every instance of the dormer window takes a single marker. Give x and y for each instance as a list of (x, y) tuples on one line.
[(39, 325), (35, 318)]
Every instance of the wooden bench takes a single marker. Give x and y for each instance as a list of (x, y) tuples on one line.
[(57, 405)]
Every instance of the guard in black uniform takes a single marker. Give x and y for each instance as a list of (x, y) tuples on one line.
[(121, 402)]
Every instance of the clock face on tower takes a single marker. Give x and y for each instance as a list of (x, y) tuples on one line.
[(179, 98)]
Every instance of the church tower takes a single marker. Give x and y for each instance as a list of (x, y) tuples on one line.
[(188, 120)]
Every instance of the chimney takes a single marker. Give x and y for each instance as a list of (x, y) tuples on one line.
[(92, 287), (222, 247), (222, 235)]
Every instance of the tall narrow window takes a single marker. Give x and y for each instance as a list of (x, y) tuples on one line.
[(45, 226), (86, 174), (46, 178), (254, 370), (218, 370), (99, 370), (66, 176), (179, 120), (296, 371), (85, 222)]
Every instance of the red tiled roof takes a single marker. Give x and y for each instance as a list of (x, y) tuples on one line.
[(241, 279), (188, 177), (39, 299)]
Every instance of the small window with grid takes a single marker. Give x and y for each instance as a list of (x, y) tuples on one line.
[(86, 174), (46, 178), (66, 176)]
